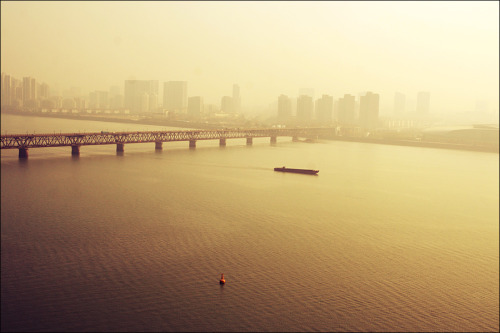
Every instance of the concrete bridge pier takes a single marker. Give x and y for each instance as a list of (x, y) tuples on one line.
[(192, 143), (75, 150), (119, 147), (249, 141), (222, 142), (23, 152), (158, 145), (273, 139)]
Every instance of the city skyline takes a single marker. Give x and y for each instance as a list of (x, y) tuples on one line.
[(449, 49)]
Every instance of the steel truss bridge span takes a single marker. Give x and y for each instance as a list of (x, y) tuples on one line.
[(25, 141)]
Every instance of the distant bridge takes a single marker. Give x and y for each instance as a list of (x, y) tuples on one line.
[(74, 140)]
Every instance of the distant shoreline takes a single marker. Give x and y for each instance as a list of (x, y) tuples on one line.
[(117, 119), (193, 125)]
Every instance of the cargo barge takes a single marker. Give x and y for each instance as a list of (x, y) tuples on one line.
[(304, 171)]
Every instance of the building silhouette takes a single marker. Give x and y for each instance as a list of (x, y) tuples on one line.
[(369, 110), (139, 93), (195, 106), (284, 108), (29, 90), (346, 114), (226, 104), (175, 96), (6, 90), (324, 109), (304, 108)]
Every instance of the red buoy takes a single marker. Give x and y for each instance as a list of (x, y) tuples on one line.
[(222, 280)]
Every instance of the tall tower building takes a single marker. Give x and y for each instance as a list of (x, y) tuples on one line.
[(44, 91), (423, 102), (324, 108), (6, 90), (399, 103), (284, 108), (226, 104), (135, 92), (368, 110), (346, 110), (175, 96), (304, 108), (195, 106)]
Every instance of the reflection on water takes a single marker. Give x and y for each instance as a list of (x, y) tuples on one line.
[(385, 238)]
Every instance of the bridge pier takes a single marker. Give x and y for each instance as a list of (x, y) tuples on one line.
[(222, 142), (75, 150), (158, 145), (192, 143), (249, 141), (23, 152), (273, 139), (119, 147)]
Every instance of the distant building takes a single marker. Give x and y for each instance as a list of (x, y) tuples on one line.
[(369, 110), (175, 96), (284, 108), (226, 104), (99, 100), (304, 108), (136, 91), (44, 91), (346, 114), (399, 103), (423, 102), (324, 109), (195, 106), (6, 90)]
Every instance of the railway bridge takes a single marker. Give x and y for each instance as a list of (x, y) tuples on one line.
[(23, 142)]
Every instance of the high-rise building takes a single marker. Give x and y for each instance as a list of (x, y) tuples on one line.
[(304, 108), (399, 103), (423, 102), (369, 110), (135, 91), (6, 90), (346, 110), (44, 91), (284, 108), (226, 104), (324, 108), (29, 89), (195, 106), (175, 96)]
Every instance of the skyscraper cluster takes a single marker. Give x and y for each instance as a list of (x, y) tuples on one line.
[(325, 110), (22, 93), (347, 110)]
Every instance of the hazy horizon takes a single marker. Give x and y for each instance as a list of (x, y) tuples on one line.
[(450, 49)]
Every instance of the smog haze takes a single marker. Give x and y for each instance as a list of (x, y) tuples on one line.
[(450, 49)]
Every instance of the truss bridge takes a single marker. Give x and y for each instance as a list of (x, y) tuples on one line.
[(23, 142)]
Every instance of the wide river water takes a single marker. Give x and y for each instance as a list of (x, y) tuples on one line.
[(384, 238)]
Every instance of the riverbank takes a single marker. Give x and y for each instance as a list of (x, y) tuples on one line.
[(127, 119), (417, 143)]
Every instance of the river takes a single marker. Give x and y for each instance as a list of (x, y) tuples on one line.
[(384, 238)]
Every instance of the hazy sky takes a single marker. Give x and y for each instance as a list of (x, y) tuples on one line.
[(269, 48)]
